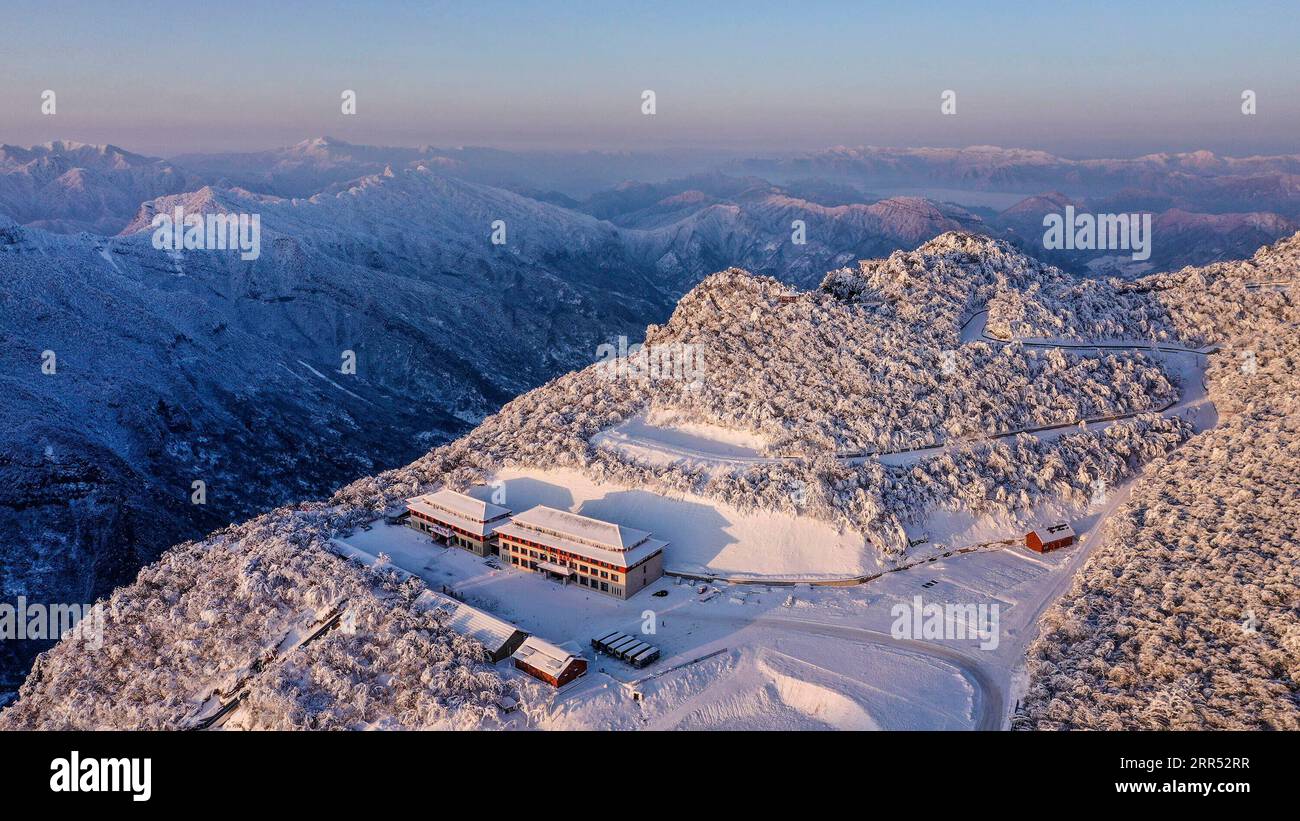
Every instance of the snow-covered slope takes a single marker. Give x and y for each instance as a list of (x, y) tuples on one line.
[(1186, 617), (552, 427), (199, 366)]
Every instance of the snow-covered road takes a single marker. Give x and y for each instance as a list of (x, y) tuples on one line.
[(975, 331)]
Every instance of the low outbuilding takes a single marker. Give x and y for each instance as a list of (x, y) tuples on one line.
[(555, 665), (1053, 537)]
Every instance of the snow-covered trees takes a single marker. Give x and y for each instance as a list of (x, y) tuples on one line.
[(837, 370), (226, 613), (1186, 617), (873, 361), (1194, 306)]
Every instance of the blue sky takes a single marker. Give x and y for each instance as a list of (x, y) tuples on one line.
[(1080, 79)]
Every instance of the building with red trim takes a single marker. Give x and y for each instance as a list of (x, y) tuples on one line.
[(457, 520), (608, 558)]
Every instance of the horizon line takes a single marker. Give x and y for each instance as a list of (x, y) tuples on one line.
[(631, 152)]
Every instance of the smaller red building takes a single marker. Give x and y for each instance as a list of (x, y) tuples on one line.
[(554, 665), (1050, 538)]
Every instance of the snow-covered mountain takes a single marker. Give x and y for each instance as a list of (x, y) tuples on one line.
[(171, 368), (687, 232), (685, 227), (68, 187), (304, 168), (847, 364)]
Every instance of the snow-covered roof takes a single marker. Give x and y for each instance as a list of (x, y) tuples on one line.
[(542, 655), (465, 512), (580, 528), (490, 631), (618, 558), (1054, 532)]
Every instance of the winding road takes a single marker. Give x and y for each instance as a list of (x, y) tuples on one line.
[(1192, 396), (989, 680)]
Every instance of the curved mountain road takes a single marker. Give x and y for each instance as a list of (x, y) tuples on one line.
[(978, 334)]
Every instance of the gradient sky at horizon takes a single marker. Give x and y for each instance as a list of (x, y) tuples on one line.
[(1097, 79)]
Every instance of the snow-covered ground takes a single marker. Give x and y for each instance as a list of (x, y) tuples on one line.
[(704, 536), (756, 655), (778, 677), (782, 657), (663, 440), (778, 651)]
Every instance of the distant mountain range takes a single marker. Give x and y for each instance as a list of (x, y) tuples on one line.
[(68, 187), (1235, 183), (689, 216)]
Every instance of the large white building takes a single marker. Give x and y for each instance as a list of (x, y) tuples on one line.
[(458, 520), (608, 558)]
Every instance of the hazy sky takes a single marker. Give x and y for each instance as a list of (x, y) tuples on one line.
[(1080, 79)]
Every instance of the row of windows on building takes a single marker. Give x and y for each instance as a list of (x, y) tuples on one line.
[(561, 554), (417, 514), (593, 583), (604, 586), (533, 554)]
